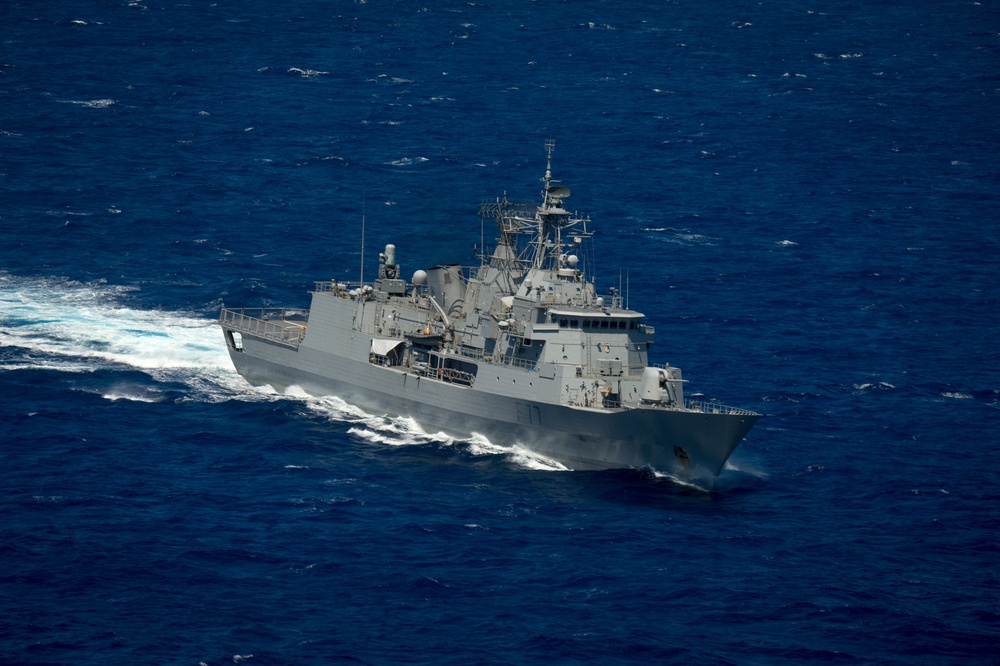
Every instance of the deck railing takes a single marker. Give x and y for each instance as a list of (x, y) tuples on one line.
[(523, 363), (714, 407), (272, 324)]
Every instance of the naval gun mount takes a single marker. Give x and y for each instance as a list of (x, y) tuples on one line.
[(388, 280)]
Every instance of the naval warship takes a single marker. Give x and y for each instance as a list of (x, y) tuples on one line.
[(520, 349)]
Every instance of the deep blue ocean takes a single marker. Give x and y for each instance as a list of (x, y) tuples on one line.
[(801, 195)]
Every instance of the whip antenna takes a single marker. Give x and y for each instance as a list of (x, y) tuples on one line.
[(364, 194)]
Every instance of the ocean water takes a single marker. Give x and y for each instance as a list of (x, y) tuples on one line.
[(800, 195)]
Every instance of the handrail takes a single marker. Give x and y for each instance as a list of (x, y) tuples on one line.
[(336, 287), (269, 324), (715, 407), (470, 352), (512, 362), (702, 406), (523, 363)]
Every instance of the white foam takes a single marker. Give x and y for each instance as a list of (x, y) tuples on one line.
[(135, 394), (881, 386), (480, 445), (71, 327), (93, 103), (376, 437), (744, 467), (406, 161), (306, 73), (330, 407), (531, 460), (55, 365), (396, 431), (385, 430), (679, 481)]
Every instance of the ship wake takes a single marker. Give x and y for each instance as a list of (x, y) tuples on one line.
[(65, 326), (145, 355), (58, 325)]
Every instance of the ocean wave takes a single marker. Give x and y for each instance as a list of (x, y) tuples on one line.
[(481, 446), (874, 386), (680, 236), (684, 483), (407, 161), (55, 365), (92, 103), (135, 394), (306, 73)]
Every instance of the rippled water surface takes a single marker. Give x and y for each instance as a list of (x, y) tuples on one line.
[(800, 197)]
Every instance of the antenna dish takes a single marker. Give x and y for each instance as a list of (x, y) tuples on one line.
[(558, 192)]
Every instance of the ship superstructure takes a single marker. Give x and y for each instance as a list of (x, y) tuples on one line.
[(520, 348)]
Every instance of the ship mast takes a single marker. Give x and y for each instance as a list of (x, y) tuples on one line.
[(551, 217), (543, 225)]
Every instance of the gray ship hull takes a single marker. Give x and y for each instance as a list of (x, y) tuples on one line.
[(686, 442), (521, 349)]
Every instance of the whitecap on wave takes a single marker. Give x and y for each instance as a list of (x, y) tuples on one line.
[(93, 103), (306, 73), (406, 161), (132, 393), (877, 386), (680, 236), (393, 79)]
